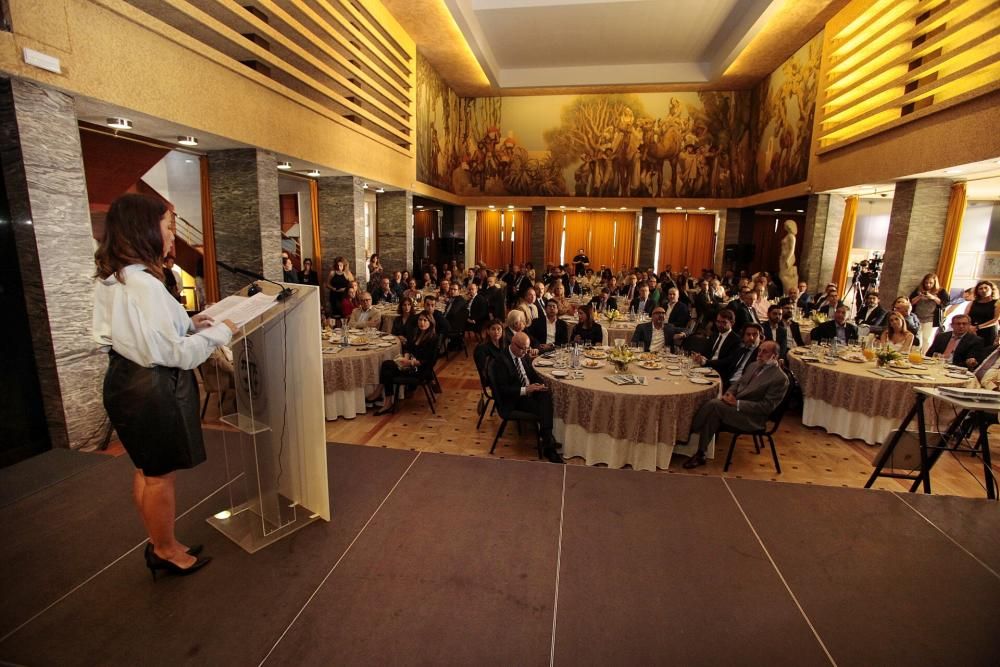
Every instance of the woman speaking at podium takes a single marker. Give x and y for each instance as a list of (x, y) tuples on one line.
[(150, 392)]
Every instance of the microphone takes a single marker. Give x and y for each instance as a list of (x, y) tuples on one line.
[(285, 292)]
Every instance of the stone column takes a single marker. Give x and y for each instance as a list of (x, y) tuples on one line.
[(820, 237), (647, 238), (47, 191), (537, 257), (243, 183), (341, 204), (394, 230), (916, 231), (718, 260)]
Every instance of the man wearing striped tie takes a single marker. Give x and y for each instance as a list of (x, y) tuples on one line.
[(517, 386)]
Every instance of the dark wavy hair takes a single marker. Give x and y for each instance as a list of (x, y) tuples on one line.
[(131, 236)]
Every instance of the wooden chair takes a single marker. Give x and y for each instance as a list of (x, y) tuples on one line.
[(771, 426)]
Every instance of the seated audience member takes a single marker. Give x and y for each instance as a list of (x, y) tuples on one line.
[(872, 314), (492, 345), (307, 276), (288, 272), (732, 369), (430, 307), (902, 306), (960, 346), (412, 292), (838, 329), (477, 308), (385, 293), (526, 303), (549, 331), (365, 317), (443, 289), (746, 405), (495, 299), (417, 360), (516, 322), (347, 302), (791, 326), (604, 302), (895, 335), (398, 285), (723, 344), (744, 309), (678, 314), (791, 297), (772, 329), (657, 334), (828, 302), (401, 325), (560, 298), (586, 329), (428, 283), (574, 288), (805, 300), (642, 303), (456, 311), (518, 387)]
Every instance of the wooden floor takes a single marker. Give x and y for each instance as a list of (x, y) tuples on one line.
[(808, 455)]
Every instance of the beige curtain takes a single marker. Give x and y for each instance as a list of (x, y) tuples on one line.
[(846, 241), (488, 233), (519, 224), (578, 236), (952, 234), (686, 239), (553, 237)]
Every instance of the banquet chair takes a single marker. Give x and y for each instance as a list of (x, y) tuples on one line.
[(771, 427), (423, 380), (455, 336), (508, 415), (486, 396)]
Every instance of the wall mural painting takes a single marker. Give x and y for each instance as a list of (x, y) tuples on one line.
[(706, 144)]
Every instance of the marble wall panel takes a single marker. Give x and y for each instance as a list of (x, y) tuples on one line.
[(394, 230), (341, 206), (647, 237), (43, 171), (820, 237), (916, 232), (537, 256)]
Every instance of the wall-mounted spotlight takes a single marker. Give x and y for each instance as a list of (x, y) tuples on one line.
[(120, 123), (187, 141), (314, 173), (379, 190), (285, 165)]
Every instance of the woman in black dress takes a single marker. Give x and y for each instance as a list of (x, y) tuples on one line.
[(984, 311), (401, 325), (150, 393), (338, 282), (586, 329), (419, 354)]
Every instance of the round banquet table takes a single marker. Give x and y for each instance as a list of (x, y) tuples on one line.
[(347, 372), (630, 424), (848, 399), (389, 315)]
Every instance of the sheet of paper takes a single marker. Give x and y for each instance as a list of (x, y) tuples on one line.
[(241, 309)]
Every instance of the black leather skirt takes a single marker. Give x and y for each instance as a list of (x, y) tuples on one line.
[(156, 414)]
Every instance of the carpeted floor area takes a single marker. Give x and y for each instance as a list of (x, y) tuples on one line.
[(433, 559)]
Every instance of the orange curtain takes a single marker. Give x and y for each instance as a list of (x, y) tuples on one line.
[(578, 236), (488, 233), (952, 233), (553, 237), (519, 224), (846, 241), (625, 239), (602, 240), (686, 240)]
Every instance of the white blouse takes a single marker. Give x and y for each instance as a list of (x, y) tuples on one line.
[(146, 325)]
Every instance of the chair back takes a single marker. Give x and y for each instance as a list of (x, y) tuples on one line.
[(502, 408), (774, 419)]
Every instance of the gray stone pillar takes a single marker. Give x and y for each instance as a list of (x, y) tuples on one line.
[(538, 219), (916, 230), (243, 183), (647, 238), (718, 260), (820, 238), (43, 172), (342, 224), (394, 230)]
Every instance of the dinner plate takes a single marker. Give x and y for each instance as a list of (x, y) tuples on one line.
[(698, 380), (702, 371), (675, 373), (673, 368), (385, 344), (650, 365), (596, 354), (592, 364), (389, 338), (958, 376), (542, 362), (560, 374)]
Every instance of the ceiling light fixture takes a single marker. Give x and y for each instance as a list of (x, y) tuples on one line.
[(603, 208), (364, 185), (380, 190), (120, 123), (777, 210), (314, 173), (701, 208), (678, 208), (563, 207), (285, 165), (510, 207), (799, 210), (187, 141), (420, 206), (492, 206), (622, 208)]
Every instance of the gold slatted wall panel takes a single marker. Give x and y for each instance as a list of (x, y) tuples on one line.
[(349, 56), (899, 60)]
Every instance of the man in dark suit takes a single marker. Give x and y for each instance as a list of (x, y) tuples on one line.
[(478, 309), (872, 314), (549, 331), (774, 330), (456, 311), (960, 346), (791, 326), (805, 301), (656, 334), (678, 314), (746, 405), (441, 326), (604, 301), (731, 367), (722, 346), (517, 386), (743, 309), (642, 303), (838, 329), (495, 299), (828, 302), (385, 293)]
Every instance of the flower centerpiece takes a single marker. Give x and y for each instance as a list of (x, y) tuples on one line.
[(885, 355), (621, 357), (819, 318), (612, 315)]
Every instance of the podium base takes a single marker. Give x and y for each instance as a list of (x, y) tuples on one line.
[(250, 530)]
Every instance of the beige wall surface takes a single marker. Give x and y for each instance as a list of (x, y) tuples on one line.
[(114, 53)]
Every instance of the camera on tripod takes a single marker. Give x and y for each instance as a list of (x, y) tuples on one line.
[(867, 271)]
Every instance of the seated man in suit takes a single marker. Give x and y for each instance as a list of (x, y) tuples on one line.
[(430, 307), (549, 331), (517, 386), (744, 309), (960, 346), (731, 368), (773, 329), (838, 329), (746, 405), (642, 303), (385, 293), (828, 302), (722, 345), (365, 317), (872, 314), (791, 326), (604, 301), (678, 314), (495, 299), (805, 301), (478, 309), (656, 334), (456, 311)]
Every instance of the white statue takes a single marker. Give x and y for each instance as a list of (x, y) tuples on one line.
[(788, 274)]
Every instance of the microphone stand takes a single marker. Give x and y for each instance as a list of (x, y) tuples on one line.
[(285, 292)]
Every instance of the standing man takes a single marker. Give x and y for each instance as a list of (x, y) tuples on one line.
[(581, 262)]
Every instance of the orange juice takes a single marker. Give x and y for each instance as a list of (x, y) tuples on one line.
[(868, 353), (916, 357)]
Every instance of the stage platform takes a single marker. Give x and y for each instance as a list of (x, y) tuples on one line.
[(443, 559)]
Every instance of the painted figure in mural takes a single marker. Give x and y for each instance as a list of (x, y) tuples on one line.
[(788, 273), (661, 148)]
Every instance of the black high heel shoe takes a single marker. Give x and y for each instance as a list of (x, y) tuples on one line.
[(192, 551), (155, 564)]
